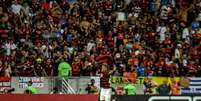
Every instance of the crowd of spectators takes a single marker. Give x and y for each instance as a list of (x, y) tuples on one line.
[(155, 38)]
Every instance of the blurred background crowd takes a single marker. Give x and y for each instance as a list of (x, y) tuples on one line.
[(127, 38)]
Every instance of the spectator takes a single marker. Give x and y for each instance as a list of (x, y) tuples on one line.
[(163, 89), (154, 37), (175, 88), (9, 47), (130, 75), (16, 8)]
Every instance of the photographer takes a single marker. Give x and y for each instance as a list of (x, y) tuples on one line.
[(91, 88), (30, 89), (150, 86), (55, 91), (130, 89), (7, 91)]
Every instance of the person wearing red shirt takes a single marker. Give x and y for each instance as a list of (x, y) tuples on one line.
[(108, 5), (76, 66), (106, 91), (167, 41), (120, 38), (49, 67), (133, 61), (152, 35), (191, 68), (104, 57), (45, 6), (110, 40)]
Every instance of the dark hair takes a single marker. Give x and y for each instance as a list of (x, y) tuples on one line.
[(55, 90), (93, 80), (30, 83)]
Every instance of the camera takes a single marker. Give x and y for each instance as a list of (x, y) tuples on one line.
[(7, 91)]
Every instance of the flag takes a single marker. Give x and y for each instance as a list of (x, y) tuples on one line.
[(194, 87)]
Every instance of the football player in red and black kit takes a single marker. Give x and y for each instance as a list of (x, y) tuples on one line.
[(106, 91)]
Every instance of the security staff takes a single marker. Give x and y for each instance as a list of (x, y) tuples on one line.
[(130, 89), (31, 89)]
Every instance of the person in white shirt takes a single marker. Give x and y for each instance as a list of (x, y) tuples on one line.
[(90, 45), (162, 32), (185, 60), (16, 8), (164, 12), (168, 61), (9, 47), (45, 50), (177, 53), (185, 33)]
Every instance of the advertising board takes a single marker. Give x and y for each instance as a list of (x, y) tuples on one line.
[(158, 98), (5, 83)]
